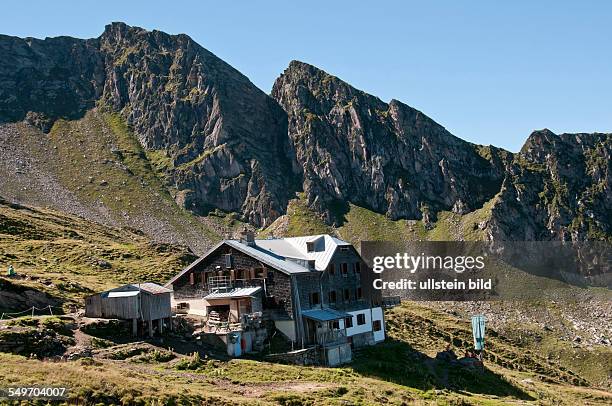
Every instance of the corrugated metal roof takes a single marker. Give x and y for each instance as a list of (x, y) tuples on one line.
[(281, 247), (325, 314), (241, 292), (268, 257), (132, 289)]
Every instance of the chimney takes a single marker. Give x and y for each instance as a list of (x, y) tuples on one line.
[(248, 238)]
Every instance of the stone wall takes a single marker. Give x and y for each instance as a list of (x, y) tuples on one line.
[(277, 285), (306, 356)]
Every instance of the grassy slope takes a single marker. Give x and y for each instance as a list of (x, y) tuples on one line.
[(69, 256), (400, 371), (60, 248), (361, 224), (100, 161), (522, 364)]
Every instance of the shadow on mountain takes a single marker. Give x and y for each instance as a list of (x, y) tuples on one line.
[(338, 209), (397, 362)]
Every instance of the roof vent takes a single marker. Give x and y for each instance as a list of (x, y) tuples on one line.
[(248, 238)]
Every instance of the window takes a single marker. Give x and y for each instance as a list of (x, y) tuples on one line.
[(331, 269), (228, 260), (347, 295), (358, 294), (310, 246), (357, 267), (191, 278), (344, 270), (360, 319), (334, 324), (314, 298), (332, 296), (376, 325), (344, 249), (348, 322), (311, 264)]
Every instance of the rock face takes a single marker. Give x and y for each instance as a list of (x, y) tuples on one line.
[(42, 80), (390, 158), (221, 143), (558, 188), (223, 140)]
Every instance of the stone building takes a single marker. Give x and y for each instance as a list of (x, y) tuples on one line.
[(314, 290)]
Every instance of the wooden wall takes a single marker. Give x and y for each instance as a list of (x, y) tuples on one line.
[(153, 306), (111, 307)]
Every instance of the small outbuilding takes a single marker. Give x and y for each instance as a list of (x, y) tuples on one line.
[(139, 302)]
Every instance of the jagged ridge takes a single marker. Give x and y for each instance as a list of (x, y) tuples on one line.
[(391, 158), (220, 143)]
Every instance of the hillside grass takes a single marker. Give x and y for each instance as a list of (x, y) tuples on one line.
[(519, 352), (362, 224), (113, 180), (400, 371), (58, 250), (69, 257), (103, 382)]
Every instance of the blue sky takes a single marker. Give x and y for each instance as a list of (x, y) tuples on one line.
[(489, 72)]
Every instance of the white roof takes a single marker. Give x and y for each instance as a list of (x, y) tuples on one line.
[(276, 253), (296, 247), (122, 294), (268, 257), (240, 292), (281, 247)]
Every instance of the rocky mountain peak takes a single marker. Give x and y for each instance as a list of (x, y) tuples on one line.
[(539, 140), (558, 187), (223, 141), (219, 142), (390, 158)]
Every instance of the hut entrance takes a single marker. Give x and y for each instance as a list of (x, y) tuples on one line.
[(222, 310)]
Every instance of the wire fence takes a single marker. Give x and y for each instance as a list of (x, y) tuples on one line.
[(30, 312)]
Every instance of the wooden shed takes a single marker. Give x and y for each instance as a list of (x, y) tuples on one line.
[(139, 302)]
